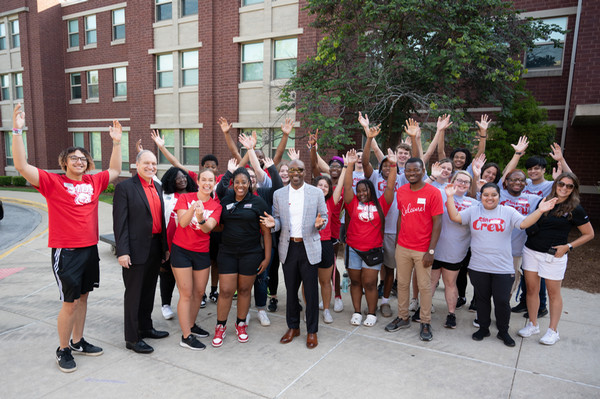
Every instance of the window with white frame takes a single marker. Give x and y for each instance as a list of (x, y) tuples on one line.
[(189, 68), (5, 83), (168, 136), (3, 45), (8, 138), (73, 31), (191, 146), (118, 24), (545, 54), (76, 86), (164, 70), (164, 10), (252, 61), (92, 84), (120, 78), (250, 2), (18, 83), (96, 146), (15, 37), (285, 54), (125, 152), (79, 139), (189, 7), (90, 30)]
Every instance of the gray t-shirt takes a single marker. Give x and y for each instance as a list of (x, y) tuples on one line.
[(541, 190), (525, 204), (491, 232), (455, 238)]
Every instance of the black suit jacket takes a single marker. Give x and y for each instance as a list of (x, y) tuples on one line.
[(132, 220)]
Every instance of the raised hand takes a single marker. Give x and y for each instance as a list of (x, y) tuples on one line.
[(374, 131), (319, 221), (267, 221), (478, 164), (138, 146), (18, 117), (556, 152), (160, 142), (450, 190), (412, 128), (268, 162), (443, 122), (293, 154), (345, 158), (522, 145), (546, 206), (116, 131), (225, 126), (436, 170), (232, 165), (391, 156), (557, 171), (484, 123), (364, 121), (351, 156), (312, 139), (246, 141), (287, 127)]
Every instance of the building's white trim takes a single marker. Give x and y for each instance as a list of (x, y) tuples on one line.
[(177, 126), (94, 129), (268, 35), (589, 189), (181, 47), (261, 125), (14, 11), (96, 120), (95, 11), (556, 12), (66, 3), (99, 66), (17, 70)]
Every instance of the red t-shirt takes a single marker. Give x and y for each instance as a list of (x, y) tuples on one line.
[(364, 229), (72, 208), (325, 232), (416, 210), (334, 219), (192, 237)]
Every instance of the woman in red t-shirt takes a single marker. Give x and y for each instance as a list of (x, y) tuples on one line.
[(197, 213), (365, 232)]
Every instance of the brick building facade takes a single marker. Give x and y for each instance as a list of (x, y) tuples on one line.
[(178, 65)]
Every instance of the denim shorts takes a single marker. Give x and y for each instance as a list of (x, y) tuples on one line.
[(355, 262)]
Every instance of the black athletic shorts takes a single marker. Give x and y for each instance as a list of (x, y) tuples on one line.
[(327, 257), (182, 258), (438, 264), (77, 271), (245, 264)]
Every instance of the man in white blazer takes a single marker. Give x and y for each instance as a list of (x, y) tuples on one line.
[(299, 211)]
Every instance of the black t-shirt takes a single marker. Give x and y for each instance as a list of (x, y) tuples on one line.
[(241, 223), (552, 230)]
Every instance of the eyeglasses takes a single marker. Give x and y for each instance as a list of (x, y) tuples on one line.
[(569, 186), (295, 170), (458, 181), (516, 180), (75, 158)]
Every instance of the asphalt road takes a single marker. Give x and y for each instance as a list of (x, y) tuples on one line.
[(18, 223)]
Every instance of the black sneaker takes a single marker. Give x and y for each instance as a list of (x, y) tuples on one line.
[(417, 316), (85, 348), (508, 341), (200, 332), (425, 333), (203, 303), (520, 308), (480, 334), (65, 360), (450, 320), (541, 313), (272, 305), (472, 307), (214, 297), (460, 302), (397, 324), (192, 343)]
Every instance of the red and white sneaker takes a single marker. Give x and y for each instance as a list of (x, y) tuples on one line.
[(240, 330), (219, 335)]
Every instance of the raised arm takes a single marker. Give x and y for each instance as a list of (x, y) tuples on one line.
[(160, 143), (364, 122), (477, 182), (225, 128), (351, 158), (388, 194), (413, 131), (314, 161), (533, 217), (286, 129), (29, 172), (557, 155), (452, 211), (337, 193), (443, 123), (482, 127), (367, 168), (114, 167), (520, 148), (223, 185), (249, 142)]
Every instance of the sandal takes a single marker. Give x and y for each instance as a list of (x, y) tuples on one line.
[(370, 320), (356, 319)]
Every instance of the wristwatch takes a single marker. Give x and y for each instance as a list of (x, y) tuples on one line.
[(570, 247), (202, 222), (431, 251)]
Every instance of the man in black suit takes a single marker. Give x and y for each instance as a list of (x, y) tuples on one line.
[(140, 236)]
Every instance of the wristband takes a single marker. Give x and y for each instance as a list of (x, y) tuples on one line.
[(17, 132), (518, 153), (202, 222), (393, 164), (345, 166), (483, 137), (116, 142), (570, 247)]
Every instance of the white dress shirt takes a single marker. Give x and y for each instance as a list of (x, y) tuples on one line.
[(296, 211)]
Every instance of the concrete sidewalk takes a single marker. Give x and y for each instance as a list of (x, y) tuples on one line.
[(349, 362)]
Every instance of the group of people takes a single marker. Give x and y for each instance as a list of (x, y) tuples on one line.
[(399, 225)]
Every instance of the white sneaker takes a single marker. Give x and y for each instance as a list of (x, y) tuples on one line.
[(550, 338), (167, 312), (338, 305), (529, 330), (432, 309), (327, 316), (414, 305), (263, 318), (248, 318), (321, 305)]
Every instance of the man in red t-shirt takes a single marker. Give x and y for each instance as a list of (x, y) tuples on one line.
[(419, 225), (73, 231)]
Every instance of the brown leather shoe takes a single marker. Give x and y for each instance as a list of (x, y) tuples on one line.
[(311, 341), (289, 335)]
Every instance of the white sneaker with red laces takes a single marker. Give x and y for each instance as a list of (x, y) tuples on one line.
[(240, 330), (219, 335)]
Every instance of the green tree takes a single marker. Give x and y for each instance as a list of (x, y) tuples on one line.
[(392, 58)]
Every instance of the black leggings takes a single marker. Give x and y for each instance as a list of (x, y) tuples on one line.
[(488, 285), (461, 280), (274, 273), (167, 283)]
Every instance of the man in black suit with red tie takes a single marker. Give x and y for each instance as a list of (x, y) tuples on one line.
[(140, 237)]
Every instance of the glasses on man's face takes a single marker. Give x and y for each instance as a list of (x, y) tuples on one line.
[(75, 158), (562, 184), (517, 180), (295, 170), (465, 182)]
